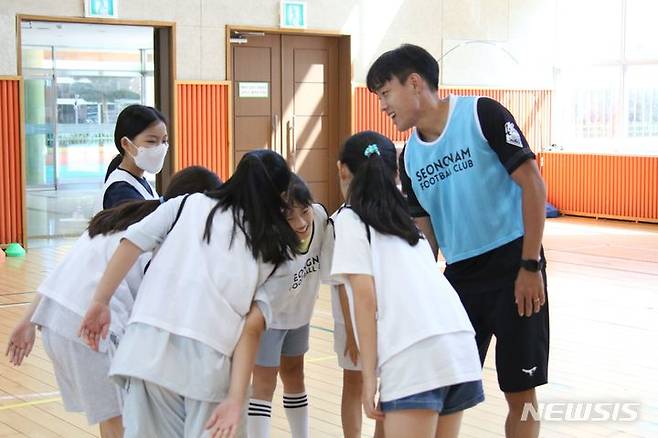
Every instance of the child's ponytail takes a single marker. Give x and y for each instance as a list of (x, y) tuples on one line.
[(373, 193)]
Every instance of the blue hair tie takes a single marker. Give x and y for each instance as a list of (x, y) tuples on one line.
[(162, 199), (371, 149)]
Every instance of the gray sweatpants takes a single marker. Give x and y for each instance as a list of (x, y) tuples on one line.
[(153, 411)]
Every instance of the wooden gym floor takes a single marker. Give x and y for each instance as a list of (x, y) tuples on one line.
[(603, 288)]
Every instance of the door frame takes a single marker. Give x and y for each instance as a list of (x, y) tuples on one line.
[(344, 118), (165, 79)]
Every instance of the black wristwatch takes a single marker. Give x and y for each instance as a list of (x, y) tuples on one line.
[(533, 265)]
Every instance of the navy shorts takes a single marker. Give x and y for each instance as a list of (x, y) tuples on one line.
[(522, 343), (445, 400)]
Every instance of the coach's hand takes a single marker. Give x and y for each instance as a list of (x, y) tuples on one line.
[(529, 292)]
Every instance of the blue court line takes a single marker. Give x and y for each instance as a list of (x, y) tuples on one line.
[(317, 327)]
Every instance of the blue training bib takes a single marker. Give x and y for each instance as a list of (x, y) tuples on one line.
[(474, 204)]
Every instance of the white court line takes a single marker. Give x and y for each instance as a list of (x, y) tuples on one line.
[(6, 306), (29, 396)]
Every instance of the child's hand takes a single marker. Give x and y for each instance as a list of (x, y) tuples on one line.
[(368, 398), (224, 420), (95, 325), (351, 350), (21, 342)]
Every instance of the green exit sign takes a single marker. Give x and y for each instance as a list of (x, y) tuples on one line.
[(293, 14), (101, 8)]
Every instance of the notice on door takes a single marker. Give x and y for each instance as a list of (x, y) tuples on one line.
[(253, 89)]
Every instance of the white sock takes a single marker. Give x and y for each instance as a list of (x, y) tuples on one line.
[(296, 408), (259, 418)]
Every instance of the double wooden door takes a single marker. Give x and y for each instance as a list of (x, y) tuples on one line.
[(285, 91)]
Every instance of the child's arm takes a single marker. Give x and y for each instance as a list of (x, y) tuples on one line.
[(365, 308), (22, 337), (96, 322), (351, 348), (225, 418)]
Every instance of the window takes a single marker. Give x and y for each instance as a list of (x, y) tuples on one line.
[(606, 98)]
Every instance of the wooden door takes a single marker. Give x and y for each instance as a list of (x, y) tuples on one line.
[(298, 115), (257, 95), (309, 95)]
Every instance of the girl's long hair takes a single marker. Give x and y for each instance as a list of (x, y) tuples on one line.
[(373, 193), (298, 193), (192, 179), (254, 195)]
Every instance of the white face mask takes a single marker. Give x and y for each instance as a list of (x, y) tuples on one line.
[(151, 159)]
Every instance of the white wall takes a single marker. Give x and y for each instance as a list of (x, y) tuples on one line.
[(522, 28)]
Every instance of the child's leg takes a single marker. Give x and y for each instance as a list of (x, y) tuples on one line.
[(417, 423), (379, 429), (448, 425), (264, 382), (292, 374), (456, 399), (268, 360), (350, 406), (112, 428), (295, 399), (260, 405)]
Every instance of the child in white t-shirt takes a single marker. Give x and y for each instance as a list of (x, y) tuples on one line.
[(411, 327), (65, 294), (294, 288), (347, 353), (190, 345)]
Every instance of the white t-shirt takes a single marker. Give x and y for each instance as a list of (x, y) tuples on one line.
[(435, 362), (293, 288), (414, 300), (73, 282), (193, 288), (328, 252)]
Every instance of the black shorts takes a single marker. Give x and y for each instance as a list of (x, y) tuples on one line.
[(521, 342)]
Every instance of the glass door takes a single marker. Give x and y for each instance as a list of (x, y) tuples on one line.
[(78, 78), (40, 132), (88, 103)]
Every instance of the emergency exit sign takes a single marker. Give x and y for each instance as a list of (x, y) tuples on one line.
[(101, 8), (293, 14)]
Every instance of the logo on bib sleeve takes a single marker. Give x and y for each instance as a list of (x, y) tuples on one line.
[(512, 136)]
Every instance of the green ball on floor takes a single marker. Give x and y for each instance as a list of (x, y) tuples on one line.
[(15, 250)]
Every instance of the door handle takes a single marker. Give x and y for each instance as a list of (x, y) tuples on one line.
[(275, 128), (291, 147)]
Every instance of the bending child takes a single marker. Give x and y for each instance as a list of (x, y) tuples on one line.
[(198, 300), (294, 286), (411, 327), (65, 294)]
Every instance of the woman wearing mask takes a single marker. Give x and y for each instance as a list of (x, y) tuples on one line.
[(140, 136)]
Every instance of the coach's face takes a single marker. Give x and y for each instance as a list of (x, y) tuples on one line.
[(401, 101)]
